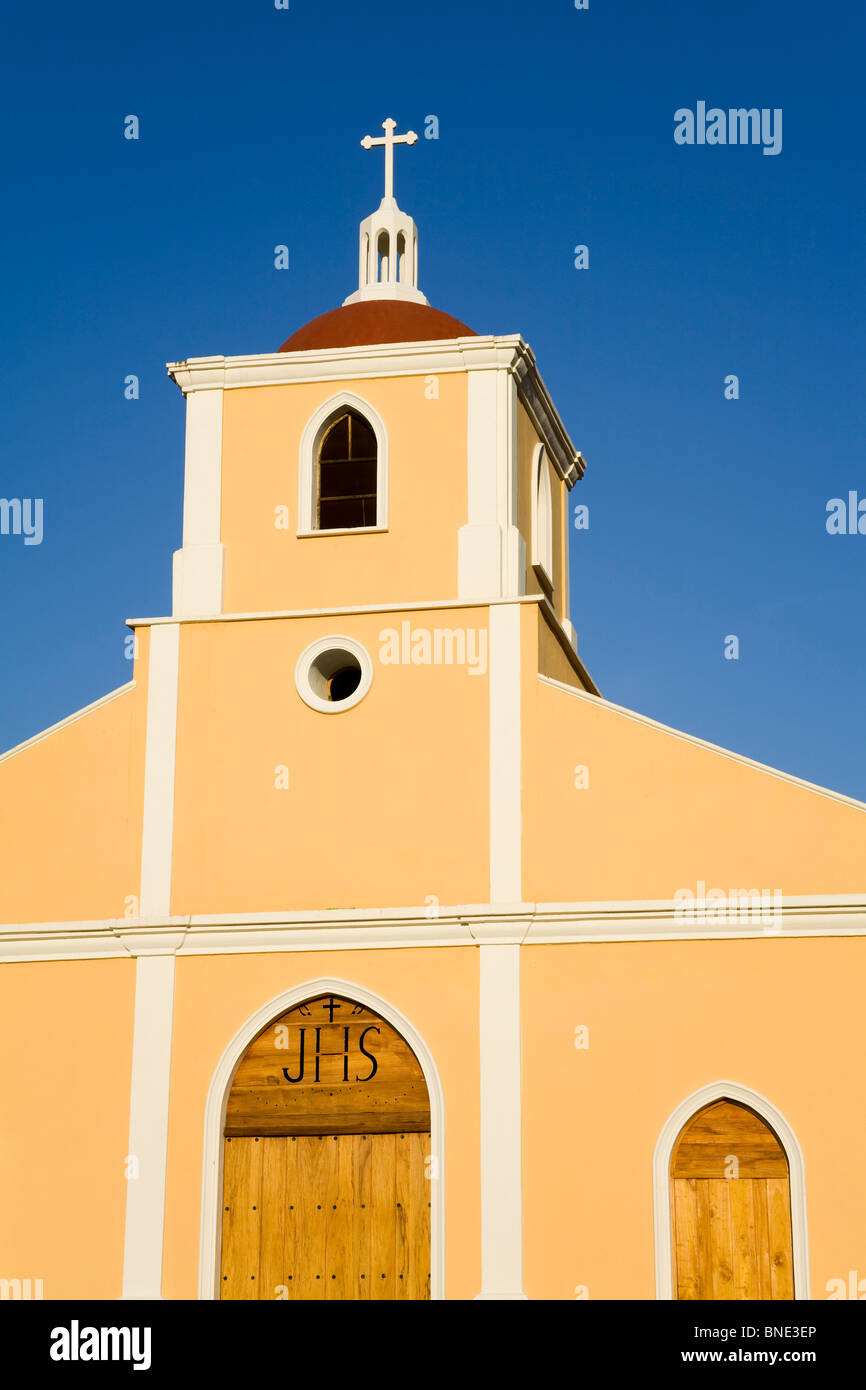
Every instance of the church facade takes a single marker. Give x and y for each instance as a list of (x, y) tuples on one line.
[(358, 947)]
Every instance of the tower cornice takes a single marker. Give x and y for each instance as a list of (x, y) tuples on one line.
[(509, 353)]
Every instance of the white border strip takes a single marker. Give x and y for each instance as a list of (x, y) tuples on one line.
[(506, 833), (501, 1121), (148, 1127), (158, 815), (731, 1090), (211, 1195)]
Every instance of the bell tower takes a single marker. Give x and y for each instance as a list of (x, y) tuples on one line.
[(387, 454)]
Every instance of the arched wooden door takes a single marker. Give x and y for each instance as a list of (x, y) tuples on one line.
[(326, 1190), (731, 1208)]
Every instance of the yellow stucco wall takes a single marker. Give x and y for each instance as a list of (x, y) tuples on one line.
[(435, 989), (66, 1044), (387, 802), (267, 569), (782, 1017), (71, 812), (663, 814)]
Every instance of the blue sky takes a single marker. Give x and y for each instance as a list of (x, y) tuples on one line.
[(707, 516)]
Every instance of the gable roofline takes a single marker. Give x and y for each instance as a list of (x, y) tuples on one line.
[(69, 719), (705, 744)]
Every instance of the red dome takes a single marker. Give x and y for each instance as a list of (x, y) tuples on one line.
[(376, 321)]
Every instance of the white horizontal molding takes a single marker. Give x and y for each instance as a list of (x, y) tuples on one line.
[(423, 606), (462, 925), (663, 920)]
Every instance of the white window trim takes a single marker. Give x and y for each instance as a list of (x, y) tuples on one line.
[(308, 463), (308, 656), (541, 480), (212, 1177), (727, 1090), (343, 531)]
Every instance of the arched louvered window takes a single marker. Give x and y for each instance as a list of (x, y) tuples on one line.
[(542, 521), (346, 474)]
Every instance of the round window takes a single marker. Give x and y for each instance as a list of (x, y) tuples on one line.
[(333, 674)]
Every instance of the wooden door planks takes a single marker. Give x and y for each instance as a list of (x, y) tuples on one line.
[(327, 1217), (731, 1208)]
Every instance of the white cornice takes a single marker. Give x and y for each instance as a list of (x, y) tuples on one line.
[(476, 924), (434, 356), (568, 461)]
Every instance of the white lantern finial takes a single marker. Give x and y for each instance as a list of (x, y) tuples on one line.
[(388, 253)]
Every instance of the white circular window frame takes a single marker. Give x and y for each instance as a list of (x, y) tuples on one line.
[(307, 659)]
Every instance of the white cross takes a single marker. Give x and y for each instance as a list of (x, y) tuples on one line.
[(389, 140)]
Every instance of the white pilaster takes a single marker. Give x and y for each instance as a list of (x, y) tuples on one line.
[(479, 573), (499, 1009), (490, 554), (158, 817), (198, 567), (501, 1177), (154, 982), (148, 1126), (506, 846)]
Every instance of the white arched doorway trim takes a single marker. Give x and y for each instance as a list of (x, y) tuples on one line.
[(308, 460), (217, 1099), (727, 1090)]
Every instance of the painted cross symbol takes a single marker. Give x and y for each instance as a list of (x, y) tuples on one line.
[(331, 1006), (389, 140)]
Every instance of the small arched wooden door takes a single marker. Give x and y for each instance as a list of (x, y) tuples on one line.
[(730, 1208), (326, 1183)]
